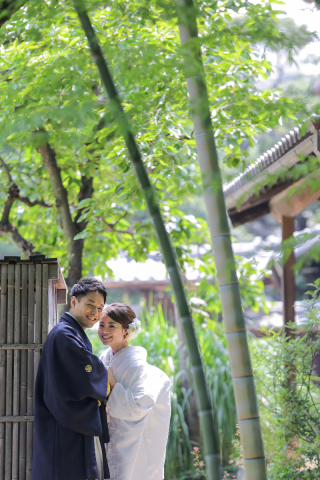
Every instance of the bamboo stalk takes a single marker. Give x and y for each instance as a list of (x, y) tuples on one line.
[(23, 377), (38, 315), (16, 373), (29, 449), (243, 381), (45, 302), (9, 373), (30, 369), (207, 421), (3, 338)]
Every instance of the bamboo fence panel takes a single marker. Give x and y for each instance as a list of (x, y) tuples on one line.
[(23, 372), (30, 373), (3, 339), (9, 374), (26, 315)]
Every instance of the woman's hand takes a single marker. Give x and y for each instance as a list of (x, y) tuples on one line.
[(111, 379)]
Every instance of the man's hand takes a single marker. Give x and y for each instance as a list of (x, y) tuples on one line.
[(111, 379)]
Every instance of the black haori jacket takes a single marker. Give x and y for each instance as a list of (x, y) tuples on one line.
[(67, 416)]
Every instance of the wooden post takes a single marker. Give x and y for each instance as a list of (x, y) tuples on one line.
[(288, 280), (23, 374), (31, 278), (9, 374), (16, 372), (38, 315), (3, 353), (45, 301)]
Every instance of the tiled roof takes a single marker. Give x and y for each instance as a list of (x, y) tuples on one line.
[(272, 156)]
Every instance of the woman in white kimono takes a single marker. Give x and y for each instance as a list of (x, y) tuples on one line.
[(138, 407)]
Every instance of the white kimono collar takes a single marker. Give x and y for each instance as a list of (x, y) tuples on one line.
[(125, 357)]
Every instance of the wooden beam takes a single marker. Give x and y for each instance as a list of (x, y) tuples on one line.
[(250, 214), (288, 280), (294, 199), (20, 346), (17, 418), (62, 297)]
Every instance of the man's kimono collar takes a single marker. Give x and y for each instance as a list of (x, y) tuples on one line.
[(71, 320)]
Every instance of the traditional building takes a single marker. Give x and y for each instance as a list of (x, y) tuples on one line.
[(283, 181)]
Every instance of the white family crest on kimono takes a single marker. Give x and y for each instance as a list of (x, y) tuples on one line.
[(139, 413)]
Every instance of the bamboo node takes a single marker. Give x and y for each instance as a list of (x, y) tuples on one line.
[(205, 412)]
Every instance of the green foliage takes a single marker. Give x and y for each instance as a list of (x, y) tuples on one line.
[(161, 341), (288, 392), (206, 300), (49, 81)]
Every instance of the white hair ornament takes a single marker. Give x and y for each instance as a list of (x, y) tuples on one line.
[(134, 329)]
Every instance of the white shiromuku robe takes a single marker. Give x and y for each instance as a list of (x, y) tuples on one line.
[(139, 411)]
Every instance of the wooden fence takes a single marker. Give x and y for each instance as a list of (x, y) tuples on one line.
[(30, 293)]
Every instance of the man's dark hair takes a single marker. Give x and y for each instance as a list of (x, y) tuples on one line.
[(86, 285)]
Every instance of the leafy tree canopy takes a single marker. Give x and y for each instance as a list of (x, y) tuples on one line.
[(67, 185)]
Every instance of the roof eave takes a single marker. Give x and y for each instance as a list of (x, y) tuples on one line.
[(308, 146)]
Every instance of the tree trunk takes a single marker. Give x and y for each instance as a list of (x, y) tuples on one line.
[(243, 381), (208, 425), (76, 247), (70, 228), (75, 251)]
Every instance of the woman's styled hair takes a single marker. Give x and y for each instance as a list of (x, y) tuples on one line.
[(120, 313)]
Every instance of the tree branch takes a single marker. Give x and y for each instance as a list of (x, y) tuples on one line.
[(110, 226), (60, 193), (13, 194), (8, 230), (28, 202), (8, 8), (5, 166), (16, 192), (86, 191)]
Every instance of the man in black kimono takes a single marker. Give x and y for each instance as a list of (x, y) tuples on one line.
[(70, 393)]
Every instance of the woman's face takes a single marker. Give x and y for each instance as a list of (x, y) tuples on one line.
[(112, 333)]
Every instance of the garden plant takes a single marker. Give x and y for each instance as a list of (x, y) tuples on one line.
[(289, 395)]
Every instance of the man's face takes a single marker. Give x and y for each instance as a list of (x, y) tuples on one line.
[(88, 309)]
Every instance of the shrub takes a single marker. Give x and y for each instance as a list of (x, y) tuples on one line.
[(289, 396)]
